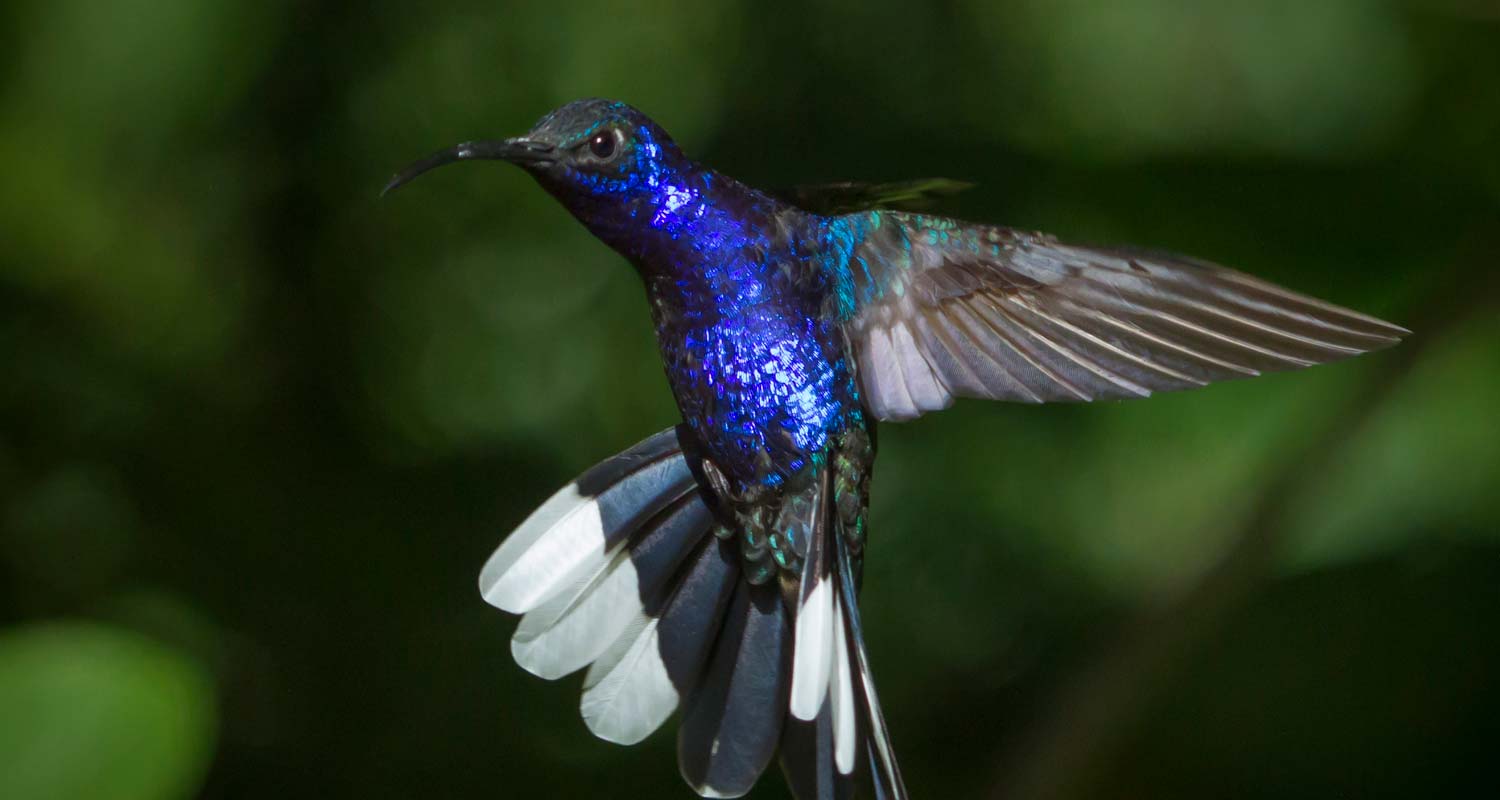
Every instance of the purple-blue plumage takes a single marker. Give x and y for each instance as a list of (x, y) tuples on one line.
[(739, 284)]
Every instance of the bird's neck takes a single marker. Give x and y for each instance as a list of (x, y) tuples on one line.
[(706, 245)]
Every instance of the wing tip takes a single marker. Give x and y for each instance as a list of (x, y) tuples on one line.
[(1396, 333)]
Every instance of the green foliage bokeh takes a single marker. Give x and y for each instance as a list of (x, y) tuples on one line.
[(260, 429)]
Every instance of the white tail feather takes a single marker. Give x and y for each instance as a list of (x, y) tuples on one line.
[(812, 651), (841, 691), (628, 693), (582, 632), (531, 567)]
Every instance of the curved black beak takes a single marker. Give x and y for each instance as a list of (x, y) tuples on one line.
[(519, 150)]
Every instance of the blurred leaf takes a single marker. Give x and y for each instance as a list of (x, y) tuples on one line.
[(88, 711)]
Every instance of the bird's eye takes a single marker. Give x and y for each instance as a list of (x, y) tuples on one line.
[(602, 145)]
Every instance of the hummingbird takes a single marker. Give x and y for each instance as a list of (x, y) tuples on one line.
[(714, 569)]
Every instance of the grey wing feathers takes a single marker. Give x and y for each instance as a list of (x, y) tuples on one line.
[(999, 314)]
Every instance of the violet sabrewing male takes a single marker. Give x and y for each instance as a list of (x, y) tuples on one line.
[(788, 326)]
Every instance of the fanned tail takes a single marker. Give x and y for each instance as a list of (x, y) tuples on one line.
[(618, 573)]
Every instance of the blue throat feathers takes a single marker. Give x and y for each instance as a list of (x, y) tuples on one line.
[(747, 294)]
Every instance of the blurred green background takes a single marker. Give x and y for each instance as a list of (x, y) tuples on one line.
[(258, 430)]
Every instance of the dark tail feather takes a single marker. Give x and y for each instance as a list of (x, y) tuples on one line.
[(732, 721), (690, 622), (807, 759), (631, 690), (885, 774)]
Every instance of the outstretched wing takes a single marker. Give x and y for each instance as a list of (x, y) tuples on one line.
[(845, 197), (940, 309)]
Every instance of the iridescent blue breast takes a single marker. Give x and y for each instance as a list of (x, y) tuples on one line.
[(764, 389)]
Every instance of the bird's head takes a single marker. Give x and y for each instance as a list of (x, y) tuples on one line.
[(601, 158)]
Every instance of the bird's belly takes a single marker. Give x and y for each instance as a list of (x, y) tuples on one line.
[(764, 392)]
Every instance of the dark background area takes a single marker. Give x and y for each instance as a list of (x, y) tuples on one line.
[(259, 429)]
